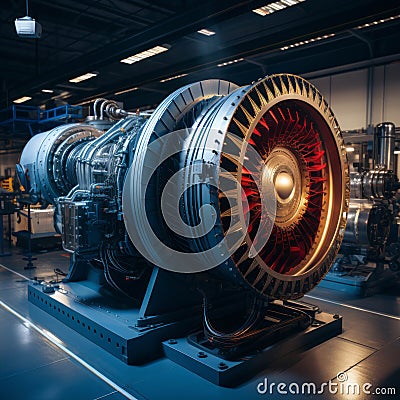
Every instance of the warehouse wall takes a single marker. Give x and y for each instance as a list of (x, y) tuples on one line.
[(8, 161), (349, 95)]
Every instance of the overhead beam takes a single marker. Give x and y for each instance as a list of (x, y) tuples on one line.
[(188, 21), (43, 11), (327, 20)]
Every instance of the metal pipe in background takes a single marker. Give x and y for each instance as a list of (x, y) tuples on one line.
[(384, 144)]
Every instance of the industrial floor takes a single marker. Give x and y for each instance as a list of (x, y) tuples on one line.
[(43, 359)]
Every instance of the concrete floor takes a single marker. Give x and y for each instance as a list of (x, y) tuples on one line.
[(43, 359)]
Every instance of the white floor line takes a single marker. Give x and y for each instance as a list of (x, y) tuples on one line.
[(106, 395), (354, 307), (111, 383), (57, 342), (15, 272)]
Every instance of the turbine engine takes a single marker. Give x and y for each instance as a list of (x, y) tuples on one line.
[(246, 186)]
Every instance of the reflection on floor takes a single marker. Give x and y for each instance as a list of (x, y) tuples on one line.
[(33, 367)]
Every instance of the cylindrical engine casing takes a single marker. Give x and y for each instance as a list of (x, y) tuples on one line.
[(47, 161), (367, 225), (379, 183), (357, 223)]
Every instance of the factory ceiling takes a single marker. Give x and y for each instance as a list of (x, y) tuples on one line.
[(93, 36)]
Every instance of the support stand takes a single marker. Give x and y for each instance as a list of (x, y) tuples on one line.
[(3, 252), (140, 332), (201, 357), (29, 258), (7, 208), (130, 330)]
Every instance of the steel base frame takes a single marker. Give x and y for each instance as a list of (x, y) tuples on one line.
[(121, 329), (229, 373), (112, 324)]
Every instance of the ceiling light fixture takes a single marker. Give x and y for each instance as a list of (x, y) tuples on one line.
[(206, 32), (145, 54), (22, 99), (47, 91), (316, 39), (126, 91), (83, 77), (173, 77), (230, 62), (62, 96), (377, 22), (27, 27), (308, 41), (85, 102), (276, 6)]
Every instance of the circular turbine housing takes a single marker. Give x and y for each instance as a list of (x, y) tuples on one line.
[(48, 160), (260, 177)]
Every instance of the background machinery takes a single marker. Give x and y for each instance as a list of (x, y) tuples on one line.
[(193, 230), (369, 258)]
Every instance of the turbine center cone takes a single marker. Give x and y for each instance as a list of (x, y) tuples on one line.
[(284, 185)]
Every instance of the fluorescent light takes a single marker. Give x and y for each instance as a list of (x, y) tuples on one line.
[(173, 77), (316, 39), (83, 77), (62, 96), (276, 6), (206, 32), (350, 149), (380, 21), (230, 62), (85, 102), (297, 44), (47, 91), (22, 99), (396, 151), (145, 54), (126, 91)]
